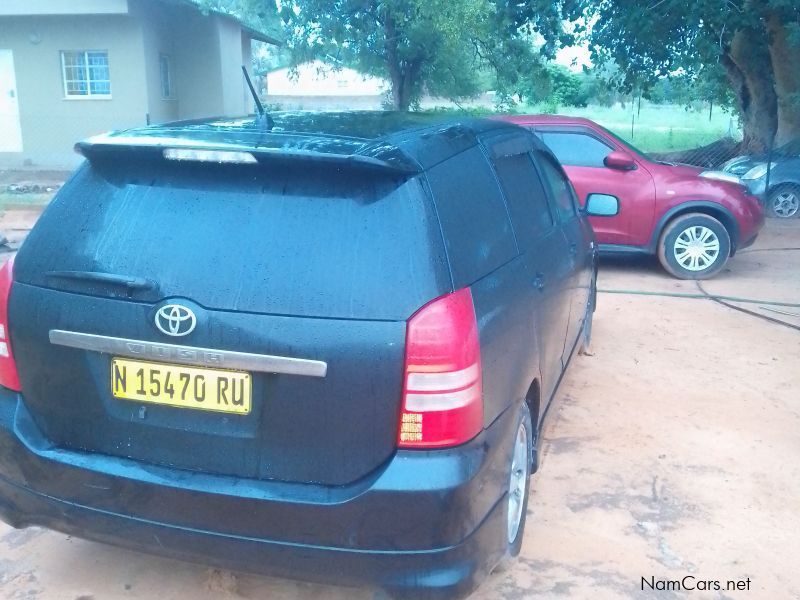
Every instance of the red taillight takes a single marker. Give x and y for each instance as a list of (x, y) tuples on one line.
[(8, 366), (442, 389)]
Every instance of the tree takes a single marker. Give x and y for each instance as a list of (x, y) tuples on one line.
[(557, 86), (754, 43), (438, 46), (443, 47)]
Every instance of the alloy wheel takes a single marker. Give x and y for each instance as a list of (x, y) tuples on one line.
[(517, 482), (696, 248), (786, 204)]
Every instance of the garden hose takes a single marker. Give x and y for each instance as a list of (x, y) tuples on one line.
[(719, 300), (747, 250), (702, 296), (723, 300)]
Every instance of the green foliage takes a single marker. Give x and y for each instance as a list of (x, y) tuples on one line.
[(439, 46), (707, 86), (723, 48), (555, 86), (261, 16), (442, 47)]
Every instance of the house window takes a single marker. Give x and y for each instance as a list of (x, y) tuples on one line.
[(166, 77), (86, 73)]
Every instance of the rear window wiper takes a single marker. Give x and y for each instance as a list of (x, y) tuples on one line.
[(128, 281)]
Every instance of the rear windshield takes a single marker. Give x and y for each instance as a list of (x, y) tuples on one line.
[(297, 240)]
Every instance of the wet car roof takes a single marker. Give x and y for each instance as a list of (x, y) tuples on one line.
[(404, 141)]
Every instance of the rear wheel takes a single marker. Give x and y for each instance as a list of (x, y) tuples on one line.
[(519, 478), (784, 202), (694, 246), (586, 333)]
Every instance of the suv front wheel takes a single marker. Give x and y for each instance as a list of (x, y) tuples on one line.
[(694, 246)]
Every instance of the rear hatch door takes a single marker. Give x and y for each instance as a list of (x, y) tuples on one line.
[(322, 263)]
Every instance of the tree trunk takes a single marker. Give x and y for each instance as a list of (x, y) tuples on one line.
[(747, 66), (785, 57), (401, 96), (402, 77)]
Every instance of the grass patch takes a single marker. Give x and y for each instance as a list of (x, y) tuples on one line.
[(10, 200), (663, 128), (657, 128)]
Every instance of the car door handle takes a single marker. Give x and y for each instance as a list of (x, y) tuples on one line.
[(538, 281)]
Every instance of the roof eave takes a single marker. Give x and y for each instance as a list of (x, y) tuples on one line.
[(255, 34)]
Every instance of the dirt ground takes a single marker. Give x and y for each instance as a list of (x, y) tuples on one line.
[(673, 450)]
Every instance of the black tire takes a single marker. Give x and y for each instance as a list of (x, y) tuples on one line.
[(586, 331), (514, 546), (686, 227), (783, 202), (586, 334)]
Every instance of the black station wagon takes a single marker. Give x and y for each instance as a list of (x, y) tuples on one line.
[(319, 349)]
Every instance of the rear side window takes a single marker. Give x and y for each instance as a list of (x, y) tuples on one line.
[(525, 196), (473, 216), (576, 149), (560, 188)]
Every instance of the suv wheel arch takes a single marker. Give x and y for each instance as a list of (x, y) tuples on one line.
[(533, 400), (712, 209)]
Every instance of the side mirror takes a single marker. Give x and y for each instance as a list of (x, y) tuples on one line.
[(620, 161), (602, 205)]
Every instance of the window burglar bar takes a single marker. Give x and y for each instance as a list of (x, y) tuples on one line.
[(86, 73)]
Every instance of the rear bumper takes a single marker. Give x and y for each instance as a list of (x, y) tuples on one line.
[(430, 524)]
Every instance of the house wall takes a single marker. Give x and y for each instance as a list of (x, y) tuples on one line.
[(197, 67), (62, 7), (158, 25), (317, 78), (206, 53), (209, 53), (231, 61), (248, 105), (51, 123)]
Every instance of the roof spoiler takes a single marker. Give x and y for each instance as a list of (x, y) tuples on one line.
[(181, 150)]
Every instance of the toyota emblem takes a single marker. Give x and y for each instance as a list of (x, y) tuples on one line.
[(175, 320)]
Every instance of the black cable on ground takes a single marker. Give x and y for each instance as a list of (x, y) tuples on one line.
[(723, 300), (746, 250), (702, 296), (718, 300)]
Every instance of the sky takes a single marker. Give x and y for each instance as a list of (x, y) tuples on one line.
[(574, 57)]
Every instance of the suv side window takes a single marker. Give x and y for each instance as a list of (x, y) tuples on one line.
[(475, 223), (525, 197), (576, 149), (561, 190)]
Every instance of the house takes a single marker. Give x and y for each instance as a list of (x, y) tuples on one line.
[(320, 86), (72, 69)]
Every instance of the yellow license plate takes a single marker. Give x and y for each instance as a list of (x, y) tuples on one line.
[(181, 386)]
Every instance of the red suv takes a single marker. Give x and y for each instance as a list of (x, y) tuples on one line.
[(692, 219)]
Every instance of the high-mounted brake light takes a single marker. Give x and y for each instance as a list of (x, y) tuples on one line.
[(442, 389), (217, 156), (8, 366)]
